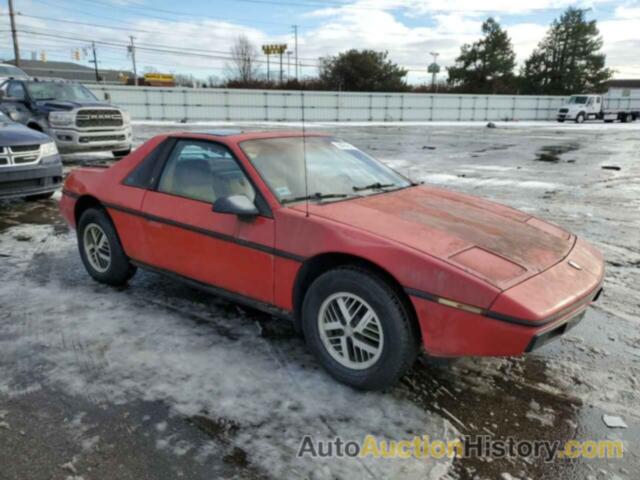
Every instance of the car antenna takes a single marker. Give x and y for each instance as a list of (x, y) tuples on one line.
[(304, 153)]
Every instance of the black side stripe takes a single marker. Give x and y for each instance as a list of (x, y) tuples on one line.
[(70, 194), (595, 293), (206, 232)]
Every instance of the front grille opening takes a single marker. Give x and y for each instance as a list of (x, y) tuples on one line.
[(25, 148), (25, 159), (99, 118), (103, 138), (4, 161)]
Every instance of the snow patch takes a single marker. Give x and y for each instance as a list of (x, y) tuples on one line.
[(123, 345)]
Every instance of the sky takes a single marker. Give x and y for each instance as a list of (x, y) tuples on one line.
[(195, 36)]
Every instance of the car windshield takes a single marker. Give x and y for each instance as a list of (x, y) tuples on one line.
[(334, 168), (578, 99), (9, 71), (59, 91)]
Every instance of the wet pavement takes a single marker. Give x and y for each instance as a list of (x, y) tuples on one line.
[(160, 381)]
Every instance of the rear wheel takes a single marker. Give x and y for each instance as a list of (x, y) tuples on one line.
[(100, 249), (358, 328), (627, 118)]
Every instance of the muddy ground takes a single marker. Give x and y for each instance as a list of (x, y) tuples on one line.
[(159, 381)]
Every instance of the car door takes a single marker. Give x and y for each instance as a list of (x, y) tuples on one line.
[(15, 102), (185, 236)]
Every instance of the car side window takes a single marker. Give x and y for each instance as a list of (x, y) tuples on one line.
[(203, 171), (15, 90), (145, 174)]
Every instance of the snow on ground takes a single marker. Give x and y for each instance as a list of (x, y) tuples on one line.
[(115, 346)]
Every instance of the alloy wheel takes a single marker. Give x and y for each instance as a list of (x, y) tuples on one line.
[(350, 330), (97, 248)]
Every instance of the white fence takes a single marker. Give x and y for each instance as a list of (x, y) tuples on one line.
[(151, 103)]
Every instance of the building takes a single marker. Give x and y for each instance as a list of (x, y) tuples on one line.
[(624, 88), (72, 71)]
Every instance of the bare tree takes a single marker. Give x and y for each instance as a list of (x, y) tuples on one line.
[(244, 56)]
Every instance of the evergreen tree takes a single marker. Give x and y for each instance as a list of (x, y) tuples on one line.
[(487, 65), (362, 70), (568, 59)]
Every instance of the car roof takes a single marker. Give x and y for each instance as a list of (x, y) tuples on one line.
[(238, 136)]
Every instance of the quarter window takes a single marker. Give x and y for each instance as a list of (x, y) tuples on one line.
[(203, 171)]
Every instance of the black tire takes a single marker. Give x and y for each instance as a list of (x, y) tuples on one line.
[(580, 118), (121, 153), (608, 121), (40, 196), (400, 339), (561, 120), (119, 269)]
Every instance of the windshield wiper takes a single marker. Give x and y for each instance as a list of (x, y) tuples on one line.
[(316, 196), (377, 186)]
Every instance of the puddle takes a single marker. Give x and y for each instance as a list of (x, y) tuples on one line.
[(552, 153)]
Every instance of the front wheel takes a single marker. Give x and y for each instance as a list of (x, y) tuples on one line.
[(358, 328), (121, 153), (580, 118), (100, 249)]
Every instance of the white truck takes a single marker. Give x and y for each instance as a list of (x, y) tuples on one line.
[(596, 107)]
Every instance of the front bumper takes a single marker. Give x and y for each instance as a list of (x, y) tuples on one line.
[(71, 140), (522, 318), (18, 182)]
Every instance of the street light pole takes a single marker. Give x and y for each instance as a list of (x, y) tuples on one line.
[(295, 33), (434, 68)]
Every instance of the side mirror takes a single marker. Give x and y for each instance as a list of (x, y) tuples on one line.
[(239, 205), (107, 96)]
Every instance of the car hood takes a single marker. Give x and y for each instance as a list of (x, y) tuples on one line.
[(56, 105), (16, 134), (499, 244)]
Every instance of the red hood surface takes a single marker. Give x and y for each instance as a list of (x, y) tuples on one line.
[(496, 243)]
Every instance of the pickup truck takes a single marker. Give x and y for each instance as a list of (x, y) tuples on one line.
[(69, 113), (594, 107)]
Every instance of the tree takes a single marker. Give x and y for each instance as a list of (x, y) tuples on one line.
[(568, 59), (362, 70), (485, 66), (244, 61)]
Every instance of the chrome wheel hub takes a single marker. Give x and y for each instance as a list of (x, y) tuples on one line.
[(97, 248), (350, 331)]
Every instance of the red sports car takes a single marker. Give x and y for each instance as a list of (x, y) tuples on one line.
[(368, 265)]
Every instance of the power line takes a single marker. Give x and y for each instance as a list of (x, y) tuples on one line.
[(150, 48), (129, 30), (143, 11)]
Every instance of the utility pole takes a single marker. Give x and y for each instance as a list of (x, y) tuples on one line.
[(14, 34), (132, 50), (289, 64), (295, 33), (95, 61)]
